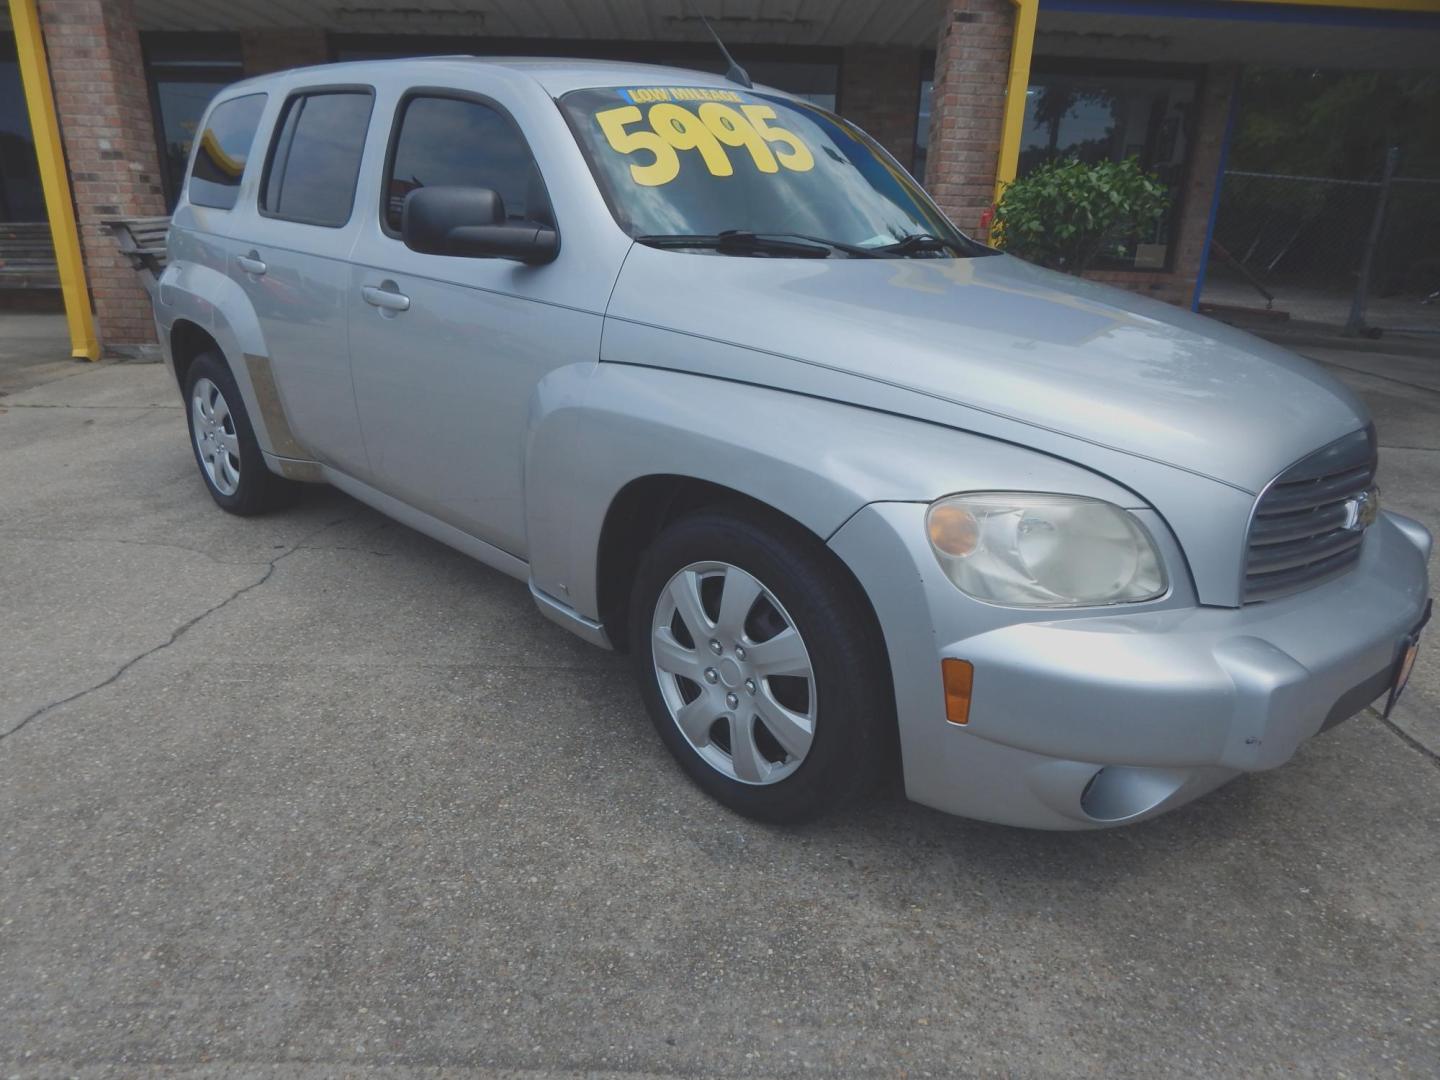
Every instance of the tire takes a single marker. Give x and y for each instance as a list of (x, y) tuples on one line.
[(827, 740), (224, 443)]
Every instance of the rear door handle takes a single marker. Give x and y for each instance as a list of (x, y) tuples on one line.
[(251, 264), (390, 299)]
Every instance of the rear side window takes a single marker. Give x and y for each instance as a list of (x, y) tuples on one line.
[(454, 142), (316, 157), (223, 148)]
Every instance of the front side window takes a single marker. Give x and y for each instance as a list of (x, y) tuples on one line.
[(316, 159), (693, 161), (223, 150), (455, 142)]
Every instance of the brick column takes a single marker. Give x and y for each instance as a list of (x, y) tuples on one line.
[(880, 91), (972, 66), (109, 137), (264, 51)]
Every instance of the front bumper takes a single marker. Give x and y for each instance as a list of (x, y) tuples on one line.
[(1080, 720)]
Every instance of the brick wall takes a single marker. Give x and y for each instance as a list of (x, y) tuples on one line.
[(1178, 284), (972, 66), (880, 91), (264, 51), (104, 109)]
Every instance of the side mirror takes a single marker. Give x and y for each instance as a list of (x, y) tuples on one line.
[(470, 223)]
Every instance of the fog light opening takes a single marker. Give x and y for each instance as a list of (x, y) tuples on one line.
[(1121, 792)]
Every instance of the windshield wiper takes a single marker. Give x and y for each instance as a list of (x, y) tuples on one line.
[(737, 241), (801, 245), (920, 243), (855, 251)]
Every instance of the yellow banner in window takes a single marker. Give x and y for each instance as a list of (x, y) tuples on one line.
[(650, 94), (708, 130)]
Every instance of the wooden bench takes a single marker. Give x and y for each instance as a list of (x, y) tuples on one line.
[(27, 258), (142, 241)]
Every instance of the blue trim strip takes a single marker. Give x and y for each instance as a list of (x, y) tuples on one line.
[(1215, 195), (1239, 11)]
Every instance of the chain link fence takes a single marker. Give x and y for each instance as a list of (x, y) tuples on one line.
[(1361, 254)]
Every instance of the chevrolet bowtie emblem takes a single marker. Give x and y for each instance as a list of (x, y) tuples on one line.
[(1361, 511)]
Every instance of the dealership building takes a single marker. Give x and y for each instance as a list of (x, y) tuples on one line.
[(100, 99)]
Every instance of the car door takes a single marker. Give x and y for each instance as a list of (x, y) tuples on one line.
[(446, 351), (291, 259)]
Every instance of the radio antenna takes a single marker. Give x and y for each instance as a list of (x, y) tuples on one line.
[(734, 73)]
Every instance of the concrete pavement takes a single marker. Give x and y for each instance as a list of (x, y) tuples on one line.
[(310, 795)]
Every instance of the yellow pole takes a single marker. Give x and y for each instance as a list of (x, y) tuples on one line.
[(1021, 47), (54, 178)]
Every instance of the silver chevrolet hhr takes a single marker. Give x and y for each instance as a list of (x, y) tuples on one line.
[(707, 369)]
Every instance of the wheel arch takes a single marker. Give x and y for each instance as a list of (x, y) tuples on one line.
[(187, 341), (647, 505), (642, 509)]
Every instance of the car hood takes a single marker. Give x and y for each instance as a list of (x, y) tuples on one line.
[(1003, 342)]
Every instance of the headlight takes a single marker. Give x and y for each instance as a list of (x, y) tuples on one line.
[(1030, 550)]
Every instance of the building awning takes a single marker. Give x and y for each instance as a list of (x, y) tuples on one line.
[(1309, 35), (795, 22)]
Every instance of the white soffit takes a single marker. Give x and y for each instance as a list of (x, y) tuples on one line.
[(1199, 41), (793, 22)]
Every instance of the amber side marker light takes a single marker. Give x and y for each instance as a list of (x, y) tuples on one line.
[(959, 676)]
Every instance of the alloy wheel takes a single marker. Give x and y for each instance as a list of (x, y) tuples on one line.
[(215, 439), (734, 673)]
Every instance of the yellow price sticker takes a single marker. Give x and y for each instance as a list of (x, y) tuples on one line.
[(708, 130)]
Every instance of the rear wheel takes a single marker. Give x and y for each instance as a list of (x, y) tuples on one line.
[(226, 450), (758, 664)]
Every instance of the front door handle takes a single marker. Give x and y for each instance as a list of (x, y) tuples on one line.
[(387, 297), (251, 263)]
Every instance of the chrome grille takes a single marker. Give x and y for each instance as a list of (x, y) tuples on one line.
[(1308, 526)]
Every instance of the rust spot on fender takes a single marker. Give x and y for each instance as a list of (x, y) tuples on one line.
[(272, 410), (305, 471)]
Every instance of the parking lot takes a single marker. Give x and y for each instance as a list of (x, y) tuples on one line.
[(312, 795)]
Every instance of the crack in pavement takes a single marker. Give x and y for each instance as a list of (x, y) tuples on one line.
[(44, 405), (134, 543), (29, 538), (181, 630)]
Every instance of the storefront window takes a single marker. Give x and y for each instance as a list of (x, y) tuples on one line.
[(1096, 112), (186, 72), (21, 198), (1109, 117)]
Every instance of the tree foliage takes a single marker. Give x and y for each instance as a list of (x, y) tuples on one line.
[(1337, 124), (1066, 214)]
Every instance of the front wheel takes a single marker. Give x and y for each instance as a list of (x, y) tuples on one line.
[(759, 664)]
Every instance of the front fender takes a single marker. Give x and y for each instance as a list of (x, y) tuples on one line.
[(596, 428)]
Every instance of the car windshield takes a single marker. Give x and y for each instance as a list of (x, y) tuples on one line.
[(715, 164)]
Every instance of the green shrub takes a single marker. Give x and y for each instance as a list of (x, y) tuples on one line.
[(1066, 214)]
